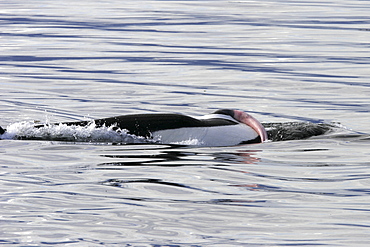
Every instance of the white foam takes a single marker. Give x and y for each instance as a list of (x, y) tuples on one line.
[(190, 142), (88, 133)]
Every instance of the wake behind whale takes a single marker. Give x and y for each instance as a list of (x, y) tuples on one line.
[(221, 128)]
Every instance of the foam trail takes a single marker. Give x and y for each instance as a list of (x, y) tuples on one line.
[(63, 132)]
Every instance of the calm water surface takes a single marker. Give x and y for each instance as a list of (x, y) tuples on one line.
[(279, 60)]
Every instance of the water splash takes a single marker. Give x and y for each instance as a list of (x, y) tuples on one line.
[(64, 132)]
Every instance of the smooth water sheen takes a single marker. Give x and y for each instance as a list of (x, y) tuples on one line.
[(279, 60)]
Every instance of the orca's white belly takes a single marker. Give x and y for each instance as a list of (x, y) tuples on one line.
[(207, 136)]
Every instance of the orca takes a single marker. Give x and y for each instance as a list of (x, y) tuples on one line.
[(223, 127)]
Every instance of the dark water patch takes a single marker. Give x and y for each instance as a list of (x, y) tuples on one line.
[(122, 184), (333, 193), (49, 198), (60, 242), (298, 179), (353, 225), (353, 137), (56, 22), (9, 242)]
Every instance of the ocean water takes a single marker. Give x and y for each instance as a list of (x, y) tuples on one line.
[(281, 61)]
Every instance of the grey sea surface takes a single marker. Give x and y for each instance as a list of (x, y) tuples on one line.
[(281, 61)]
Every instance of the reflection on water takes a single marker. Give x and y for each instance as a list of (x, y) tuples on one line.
[(131, 191), (181, 158)]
